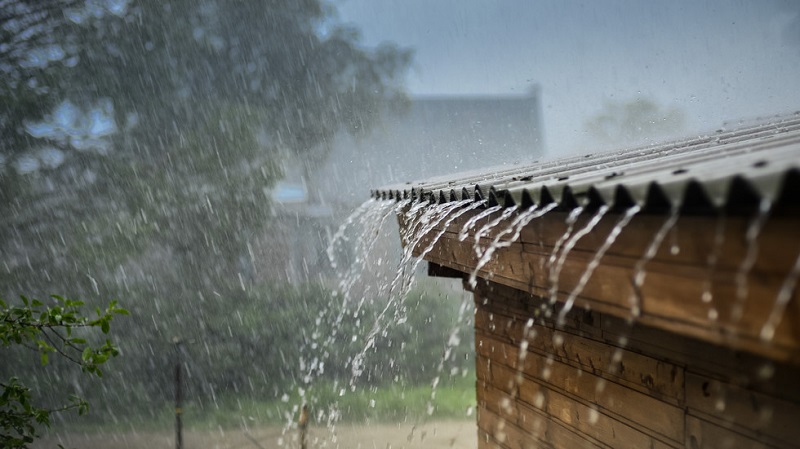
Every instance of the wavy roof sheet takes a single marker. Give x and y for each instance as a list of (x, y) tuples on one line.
[(730, 171)]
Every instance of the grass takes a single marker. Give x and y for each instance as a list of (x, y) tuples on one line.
[(454, 399)]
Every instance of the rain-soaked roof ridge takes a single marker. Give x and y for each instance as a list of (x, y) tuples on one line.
[(729, 170)]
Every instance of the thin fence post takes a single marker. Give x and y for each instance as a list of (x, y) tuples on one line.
[(303, 425), (178, 398)]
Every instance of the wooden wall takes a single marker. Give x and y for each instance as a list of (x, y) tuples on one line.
[(678, 276), (600, 382)]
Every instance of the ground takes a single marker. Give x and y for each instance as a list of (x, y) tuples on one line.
[(433, 435)]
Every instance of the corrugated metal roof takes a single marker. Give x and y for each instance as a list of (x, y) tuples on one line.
[(728, 170)]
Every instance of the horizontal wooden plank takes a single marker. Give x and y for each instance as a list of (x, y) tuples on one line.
[(589, 421), (498, 401), (691, 240), (646, 374), (539, 431), (631, 406), (671, 297), (669, 292), (706, 359), (771, 418), (702, 434), (492, 297), (496, 432)]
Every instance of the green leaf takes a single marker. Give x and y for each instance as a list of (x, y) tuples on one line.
[(87, 354)]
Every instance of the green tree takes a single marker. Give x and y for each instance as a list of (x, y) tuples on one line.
[(56, 329), (206, 98)]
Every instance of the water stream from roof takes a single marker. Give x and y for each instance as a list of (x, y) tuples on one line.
[(639, 273), (779, 307), (707, 297), (595, 262), (569, 245), (489, 226), (464, 233), (515, 228), (751, 238), (449, 213), (552, 264)]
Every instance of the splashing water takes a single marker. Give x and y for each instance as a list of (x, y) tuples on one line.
[(340, 235), (639, 273), (595, 262), (419, 225), (556, 272), (369, 217), (452, 342), (416, 216), (751, 238), (365, 225)]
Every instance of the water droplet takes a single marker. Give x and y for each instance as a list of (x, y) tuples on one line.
[(766, 371), (765, 414), (594, 416), (600, 386), (538, 400)]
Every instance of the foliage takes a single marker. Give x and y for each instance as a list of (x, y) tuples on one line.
[(55, 329), (208, 99)]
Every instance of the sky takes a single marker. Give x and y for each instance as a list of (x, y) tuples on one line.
[(720, 62)]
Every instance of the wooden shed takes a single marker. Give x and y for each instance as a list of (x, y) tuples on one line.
[(638, 299)]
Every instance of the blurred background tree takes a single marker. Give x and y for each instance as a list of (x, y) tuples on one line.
[(139, 142), (634, 122)]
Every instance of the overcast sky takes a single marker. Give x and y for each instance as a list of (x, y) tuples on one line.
[(717, 61)]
